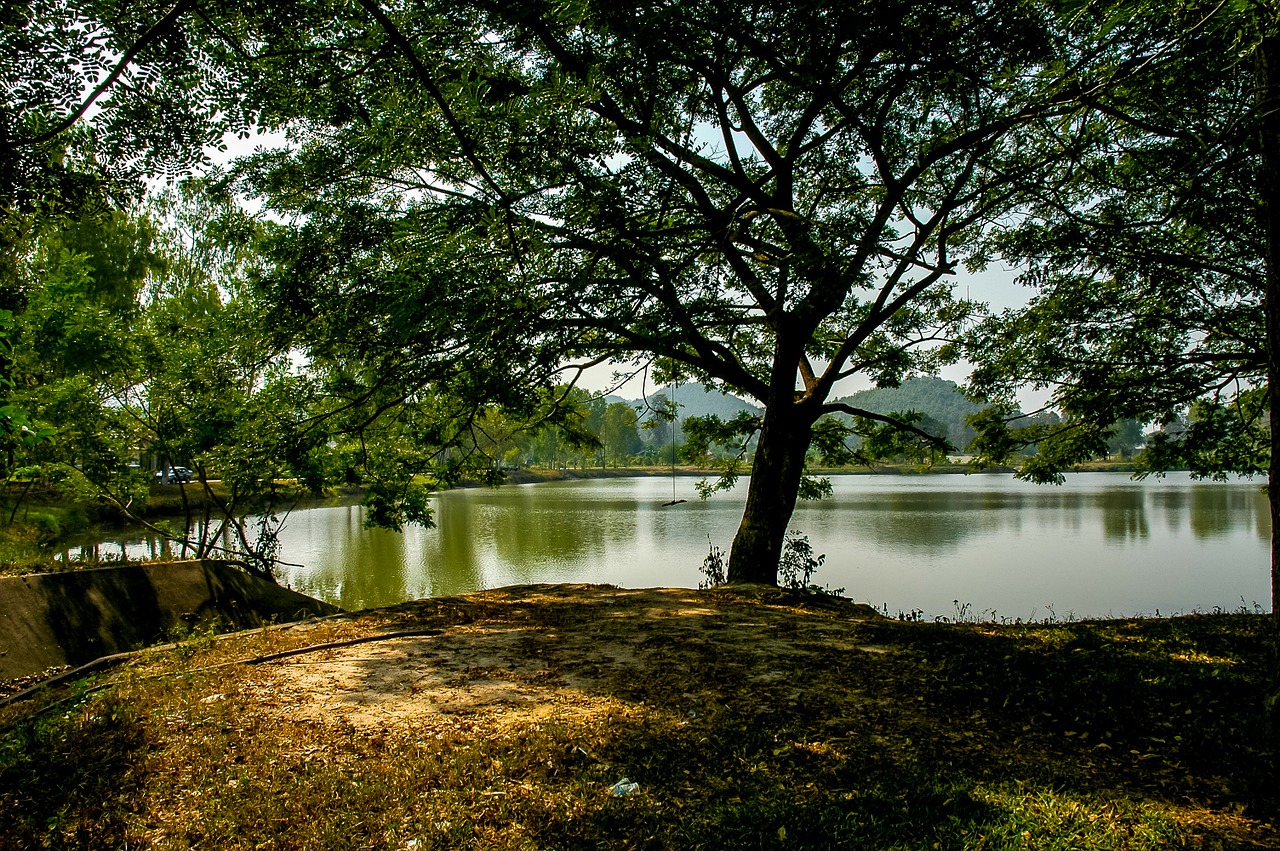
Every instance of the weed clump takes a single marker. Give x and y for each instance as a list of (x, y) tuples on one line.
[(713, 568), (795, 568)]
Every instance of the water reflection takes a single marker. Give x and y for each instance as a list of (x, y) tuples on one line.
[(929, 522), (1099, 544), (328, 541), (1124, 514), (130, 546)]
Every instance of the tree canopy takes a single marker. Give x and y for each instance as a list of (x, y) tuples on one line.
[(1153, 260), (478, 200), (770, 198), (1145, 254)]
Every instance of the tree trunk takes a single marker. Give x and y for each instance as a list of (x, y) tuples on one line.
[(771, 495)]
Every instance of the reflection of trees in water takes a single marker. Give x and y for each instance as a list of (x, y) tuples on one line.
[(349, 565), (1174, 504), (1262, 515), (451, 554), (1124, 514), (939, 522), (1210, 511), (532, 531), (936, 522), (539, 533), (1217, 511), (125, 546), (357, 567), (382, 558)]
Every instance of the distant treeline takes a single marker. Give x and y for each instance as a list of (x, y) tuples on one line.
[(633, 432)]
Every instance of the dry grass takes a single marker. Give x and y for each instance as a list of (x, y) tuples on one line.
[(750, 719)]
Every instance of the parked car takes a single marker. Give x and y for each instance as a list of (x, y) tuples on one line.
[(176, 475)]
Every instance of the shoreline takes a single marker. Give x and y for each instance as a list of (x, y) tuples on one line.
[(534, 475), (83, 526)]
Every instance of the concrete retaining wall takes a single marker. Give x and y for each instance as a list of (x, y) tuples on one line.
[(51, 619)]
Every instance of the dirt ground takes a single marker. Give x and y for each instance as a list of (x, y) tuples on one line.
[(504, 718), (523, 653), (985, 700)]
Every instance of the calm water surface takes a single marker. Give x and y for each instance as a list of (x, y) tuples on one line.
[(1099, 545)]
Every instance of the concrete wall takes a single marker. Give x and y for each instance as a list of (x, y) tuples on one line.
[(51, 619)]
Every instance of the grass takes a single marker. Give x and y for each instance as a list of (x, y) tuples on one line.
[(757, 720)]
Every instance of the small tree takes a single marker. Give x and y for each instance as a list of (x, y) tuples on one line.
[(619, 436)]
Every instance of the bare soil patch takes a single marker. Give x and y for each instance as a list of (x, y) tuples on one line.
[(528, 652)]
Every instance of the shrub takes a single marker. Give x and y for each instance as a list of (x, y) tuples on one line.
[(798, 562), (713, 567)]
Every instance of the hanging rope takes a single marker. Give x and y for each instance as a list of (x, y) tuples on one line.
[(672, 397)]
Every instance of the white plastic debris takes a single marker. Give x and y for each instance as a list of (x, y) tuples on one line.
[(623, 788)]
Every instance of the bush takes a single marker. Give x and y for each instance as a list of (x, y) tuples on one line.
[(795, 568), (713, 568), (48, 527), (798, 562)]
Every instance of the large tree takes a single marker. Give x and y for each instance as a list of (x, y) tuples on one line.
[(1149, 255), (770, 197)]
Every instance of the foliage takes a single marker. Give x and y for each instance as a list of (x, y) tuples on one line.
[(619, 436), (869, 438), (1146, 256), (72, 350), (712, 568), (720, 444), (1215, 439), (795, 568), (97, 96), (15, 421), (764, 197), (798, 562), (1125, 437), (477, 200), (691, 400), (944, 408), (134, 343)]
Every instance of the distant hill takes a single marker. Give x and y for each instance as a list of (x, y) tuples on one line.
[(934, 397), (693, 400)]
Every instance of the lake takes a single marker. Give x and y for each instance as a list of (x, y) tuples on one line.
[(1100, 545)]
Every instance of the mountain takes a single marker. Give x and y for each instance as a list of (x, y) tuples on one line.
[(693, 400), (934, 397)]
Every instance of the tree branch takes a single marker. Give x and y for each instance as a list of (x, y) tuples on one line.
[(153, 32)]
